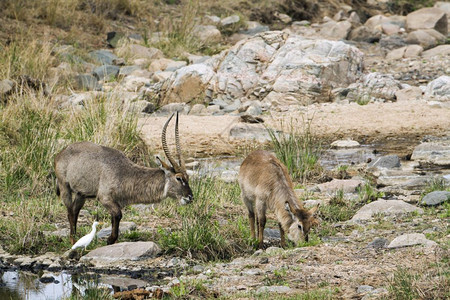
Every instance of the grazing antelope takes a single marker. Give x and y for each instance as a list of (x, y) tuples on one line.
[(87, 170), (265, 183)]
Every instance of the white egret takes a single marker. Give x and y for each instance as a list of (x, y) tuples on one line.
[(87, 239)]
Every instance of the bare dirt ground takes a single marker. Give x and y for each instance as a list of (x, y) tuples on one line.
[(405, 122)]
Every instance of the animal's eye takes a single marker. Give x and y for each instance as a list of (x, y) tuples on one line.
[(179, 179)]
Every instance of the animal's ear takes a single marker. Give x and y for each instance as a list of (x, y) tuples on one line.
[(286, 206), (165, 167), (288, 209), (314, 209)]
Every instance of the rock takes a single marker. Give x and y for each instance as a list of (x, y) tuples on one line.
[(439, 89), (386, 207), (336, 30), (187, 83), (134, 83), (391, 42), (161, 76), (428, 18), (106, 72), (283, 17), (362, 289), (279, 289), (365, 34), (164, 64), (413, 51), (123, 227), (405, 52), (6, 88), (378, 243), (381, 85), (411, 239), (214, 20), (119, 252), (347, 185), (388, 161), (142, 106), (376, 21), (232, 107), (433, 152), (170, 108), (128, 70), (198, 110), (436, 198), (253, 28), (113, 38), (295, 67), (411, 93), (390, 29), (441, 50), (86, 82), (354, 18), (229, 21), (344, 144), (250, 132), (270, 233), (103, 57), (274, 250), (135, 51), (427, 38), (207, 33), (252, 272)]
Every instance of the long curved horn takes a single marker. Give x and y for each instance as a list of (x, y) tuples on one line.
[(177, 142), (166, 149)]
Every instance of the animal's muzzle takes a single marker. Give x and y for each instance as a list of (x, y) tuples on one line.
[(186, 200)]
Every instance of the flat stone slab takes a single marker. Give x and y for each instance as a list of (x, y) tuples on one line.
[(411, 239), (386, 207), (436, 152), (344, 144), (436, 198), (120, 252), (347, 185)]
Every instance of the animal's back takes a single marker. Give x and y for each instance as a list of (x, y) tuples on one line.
[(83, 165), (261, 174)]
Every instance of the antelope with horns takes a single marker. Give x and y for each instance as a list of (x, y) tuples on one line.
[(87, 170), (265, 183)]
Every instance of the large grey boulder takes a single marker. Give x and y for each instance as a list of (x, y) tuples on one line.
[(187, 83), (441, 50), (428, 18), (436, 198), (411, 239), (346, 185), (106, 72), (289, 64), (433, 152), (365, 34), (381, 85), (121, 252), (103, 57), (387, 161), (439, 89), (385, 207), (427, 38)]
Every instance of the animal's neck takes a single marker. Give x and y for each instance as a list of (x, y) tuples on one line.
[(282, 194), (146, 186)]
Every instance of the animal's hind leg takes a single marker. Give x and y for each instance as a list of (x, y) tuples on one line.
[(77, 204), (260, 208), (66, 197), (251, 217)]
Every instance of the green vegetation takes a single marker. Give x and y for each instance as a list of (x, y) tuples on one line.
[(430, 284), (203, 234), (299, 150)]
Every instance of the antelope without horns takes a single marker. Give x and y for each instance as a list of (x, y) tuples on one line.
[(265, 184), (87, 170)]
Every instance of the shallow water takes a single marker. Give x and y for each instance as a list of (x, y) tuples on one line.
[(15, 285)]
